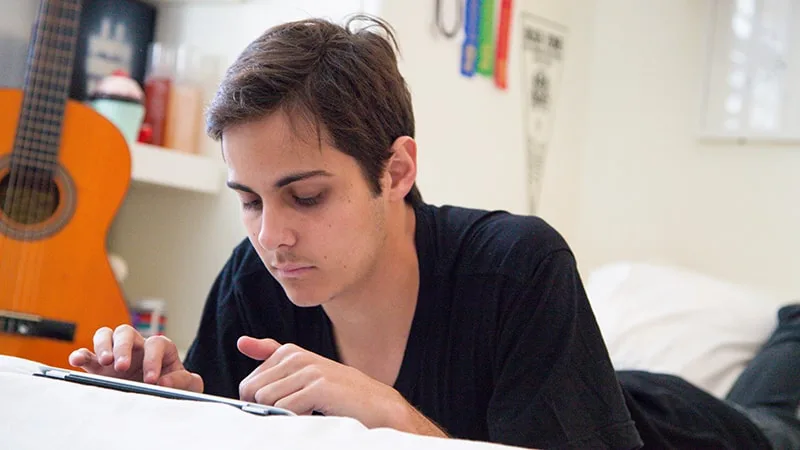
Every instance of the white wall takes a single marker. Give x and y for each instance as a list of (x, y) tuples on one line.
[(625, 176), (18, 18), (649, 189), (471, 133), (15, 33)]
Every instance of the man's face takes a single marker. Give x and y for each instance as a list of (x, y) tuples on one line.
[(309, 212)]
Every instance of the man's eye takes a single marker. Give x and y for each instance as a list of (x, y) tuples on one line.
[(307, 201), (252, 205)]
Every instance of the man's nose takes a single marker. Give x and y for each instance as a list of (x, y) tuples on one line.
[(275, 231)]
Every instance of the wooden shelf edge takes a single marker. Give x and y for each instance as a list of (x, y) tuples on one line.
[(171, 168)]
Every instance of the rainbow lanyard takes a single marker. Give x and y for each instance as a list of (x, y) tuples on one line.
[(501, 57), (478, 51), (469, 49)]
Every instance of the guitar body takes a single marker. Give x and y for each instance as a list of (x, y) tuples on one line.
[(54, 269)]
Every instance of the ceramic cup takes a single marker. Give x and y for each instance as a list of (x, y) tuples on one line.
[(120, 99)]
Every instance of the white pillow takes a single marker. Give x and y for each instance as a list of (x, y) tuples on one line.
[(672, 320)]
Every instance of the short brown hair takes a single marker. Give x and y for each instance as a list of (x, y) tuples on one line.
[(346, 80)]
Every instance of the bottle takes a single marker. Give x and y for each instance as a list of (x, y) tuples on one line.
[(184, 113), (158, 82)]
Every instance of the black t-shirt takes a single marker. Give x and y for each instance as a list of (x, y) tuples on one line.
[(503, 345)]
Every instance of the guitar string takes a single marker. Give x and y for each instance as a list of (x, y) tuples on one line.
[(11, 191), (38, 180), (65, 33), (30, 140), (17, 168)]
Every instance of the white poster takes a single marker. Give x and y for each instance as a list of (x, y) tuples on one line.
[(543, 54)]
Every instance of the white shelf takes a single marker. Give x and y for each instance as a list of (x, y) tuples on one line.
[(172, 168), (194, 2)]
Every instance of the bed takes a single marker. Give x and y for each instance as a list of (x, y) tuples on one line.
[(38, 413), (669, 319), (653, 317)]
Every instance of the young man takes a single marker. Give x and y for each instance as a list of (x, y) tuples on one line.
[(353, 297)]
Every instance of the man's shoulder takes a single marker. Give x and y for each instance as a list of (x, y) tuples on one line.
[(495, 241)]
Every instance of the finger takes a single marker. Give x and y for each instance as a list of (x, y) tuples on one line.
[(102, 341), (157, 349), (125, 339), (271, 393), (279, 366), (197, 383), (182, 379), (300, 402), (259, 349), (85, 360)]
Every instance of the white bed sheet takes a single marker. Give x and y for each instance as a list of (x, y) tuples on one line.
[(38, 413)]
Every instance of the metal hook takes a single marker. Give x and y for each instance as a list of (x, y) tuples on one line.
[(449, 33)]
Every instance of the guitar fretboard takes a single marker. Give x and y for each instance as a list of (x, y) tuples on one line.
[(47, 80)]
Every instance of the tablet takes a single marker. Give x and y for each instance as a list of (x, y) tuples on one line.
[(159, 391)]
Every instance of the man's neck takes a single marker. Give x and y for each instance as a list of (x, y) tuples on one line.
[(377, 318)]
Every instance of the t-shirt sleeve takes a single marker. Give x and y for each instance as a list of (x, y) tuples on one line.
[(213, 353), (555, 386)]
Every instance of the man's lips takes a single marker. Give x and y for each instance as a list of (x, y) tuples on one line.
[(291, 270)]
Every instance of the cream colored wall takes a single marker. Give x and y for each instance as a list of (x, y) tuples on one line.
[(15, 32), (471, 134), (19, 17), (649, 189)]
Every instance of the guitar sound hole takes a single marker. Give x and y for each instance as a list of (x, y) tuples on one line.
[(29, 197)]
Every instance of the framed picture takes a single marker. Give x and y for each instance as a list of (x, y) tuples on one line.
[(751, 91), (114, 34)]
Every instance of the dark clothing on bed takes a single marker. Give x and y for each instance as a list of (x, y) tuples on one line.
[(672, 413), (768, 390), (503, 346)]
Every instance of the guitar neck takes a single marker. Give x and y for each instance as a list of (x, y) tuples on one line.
[(47, 80)]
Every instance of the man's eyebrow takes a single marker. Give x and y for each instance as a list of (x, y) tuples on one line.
[(285, 181), (289, 179), (239, 187)]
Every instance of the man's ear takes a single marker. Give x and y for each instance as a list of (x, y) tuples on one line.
[(402, 167)]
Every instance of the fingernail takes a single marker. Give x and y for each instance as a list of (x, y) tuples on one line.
[(150, 375), (105, 355)]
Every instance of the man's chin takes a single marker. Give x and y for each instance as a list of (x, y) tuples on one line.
[(306, 298)]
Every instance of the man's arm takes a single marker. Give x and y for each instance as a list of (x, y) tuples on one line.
[(410, 420), (555, 385)]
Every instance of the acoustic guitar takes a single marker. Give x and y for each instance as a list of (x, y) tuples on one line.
[(64, 171)]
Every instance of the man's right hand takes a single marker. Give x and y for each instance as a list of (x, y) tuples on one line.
[(124, 353)]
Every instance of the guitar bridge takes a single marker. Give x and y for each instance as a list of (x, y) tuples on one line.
[(34, 326)]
